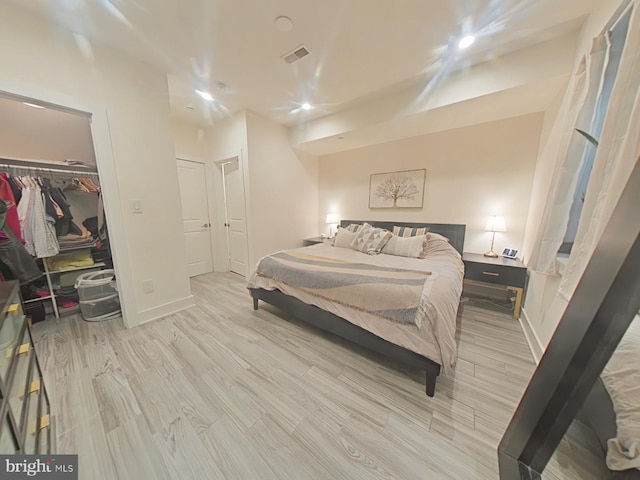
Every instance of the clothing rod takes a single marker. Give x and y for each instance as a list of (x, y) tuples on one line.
[(67, 171)]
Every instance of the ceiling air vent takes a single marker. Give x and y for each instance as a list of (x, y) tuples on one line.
[(297, 54)]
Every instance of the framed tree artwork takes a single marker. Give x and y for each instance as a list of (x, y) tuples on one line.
[(397, 189)]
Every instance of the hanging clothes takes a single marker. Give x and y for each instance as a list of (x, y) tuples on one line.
[(38, 228), (64, 223), (15, 188), (6, 194), (24, 212), (46, 244), (13, 254)]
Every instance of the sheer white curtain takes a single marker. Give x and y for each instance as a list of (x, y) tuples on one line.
[(616, 157), (584, 93)]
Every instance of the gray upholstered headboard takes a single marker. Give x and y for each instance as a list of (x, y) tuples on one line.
[(454, 232)]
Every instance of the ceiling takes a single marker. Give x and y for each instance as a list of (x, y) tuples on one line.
[(360, 49)]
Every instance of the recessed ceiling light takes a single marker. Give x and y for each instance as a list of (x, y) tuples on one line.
[(466, 42), (33, 105), (205, 95), (306, 106), (284, 24)]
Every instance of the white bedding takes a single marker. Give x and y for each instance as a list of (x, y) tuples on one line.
[(621, 378), (439, 304)]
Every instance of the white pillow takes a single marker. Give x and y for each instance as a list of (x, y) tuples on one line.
[(405, 246), (436, 236), (435, 243), (344, 238)]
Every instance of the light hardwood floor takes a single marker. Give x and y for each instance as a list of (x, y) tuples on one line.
[(221, 391)]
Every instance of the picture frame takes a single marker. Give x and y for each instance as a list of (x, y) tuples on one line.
[(510, 253), (401, 189)]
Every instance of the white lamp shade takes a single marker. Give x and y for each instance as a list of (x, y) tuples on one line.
[(496, 224), (332, 219)]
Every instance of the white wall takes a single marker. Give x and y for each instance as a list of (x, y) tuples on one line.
[(543, 309), (283, 208), (281, 185), (138, 158), (228, 140), (43, 133), (190, 141), (472, 172)]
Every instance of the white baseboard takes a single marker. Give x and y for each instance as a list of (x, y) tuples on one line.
[(530, 334), (164, 310)]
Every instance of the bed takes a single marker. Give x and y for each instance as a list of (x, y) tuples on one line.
[(612, 408), (429, 344)]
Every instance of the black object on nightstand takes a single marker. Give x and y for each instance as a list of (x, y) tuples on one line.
[(312, 241), (511, 273)]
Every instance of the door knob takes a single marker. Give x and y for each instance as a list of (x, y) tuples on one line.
[(206, 225)]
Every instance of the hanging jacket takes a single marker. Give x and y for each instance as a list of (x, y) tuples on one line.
[(13, 254), (6, 194)]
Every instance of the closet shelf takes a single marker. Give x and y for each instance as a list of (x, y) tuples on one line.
[(79, 247), (31, 300), (73, 269)]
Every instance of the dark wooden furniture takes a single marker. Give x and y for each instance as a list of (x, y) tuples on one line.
[(312, 241), (510, 273), (597, 412), (25, 426), (345, 329), (602, 307)]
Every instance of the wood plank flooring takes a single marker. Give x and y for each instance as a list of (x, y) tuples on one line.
[(221, 391)]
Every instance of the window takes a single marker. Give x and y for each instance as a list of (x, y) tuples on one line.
[(617, 36)]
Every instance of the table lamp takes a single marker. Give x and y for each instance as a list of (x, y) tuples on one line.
[(332, 219), (495, 224)]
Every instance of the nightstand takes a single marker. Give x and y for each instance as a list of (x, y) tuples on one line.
[(312, 241), (511, 273)]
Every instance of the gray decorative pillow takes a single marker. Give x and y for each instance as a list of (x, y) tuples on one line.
[(405, 246), (344, 238), (371, 240), (354, 227), (409, 231)]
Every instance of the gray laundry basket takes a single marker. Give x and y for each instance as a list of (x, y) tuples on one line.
[(98, 292)]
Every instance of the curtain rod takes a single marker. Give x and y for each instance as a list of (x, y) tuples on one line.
[(58, 169)]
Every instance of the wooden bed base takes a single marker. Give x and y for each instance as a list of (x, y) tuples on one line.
[(339, 326), (331, 323)]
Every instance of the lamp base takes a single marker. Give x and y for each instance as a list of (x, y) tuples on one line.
[(491, 254)]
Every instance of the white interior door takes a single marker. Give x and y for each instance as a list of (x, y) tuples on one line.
[(195, 215), (236, 221)]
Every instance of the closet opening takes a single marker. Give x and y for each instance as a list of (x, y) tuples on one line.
[(54, 237)]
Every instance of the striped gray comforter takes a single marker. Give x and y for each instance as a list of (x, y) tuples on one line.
[(387, 292)]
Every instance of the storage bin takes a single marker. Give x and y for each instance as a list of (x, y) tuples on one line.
[(98, 294)]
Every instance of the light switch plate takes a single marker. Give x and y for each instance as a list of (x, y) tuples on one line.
[(136, 206)]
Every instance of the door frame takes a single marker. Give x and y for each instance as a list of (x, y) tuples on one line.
[(108, 179), (210, 195), (221, 260)]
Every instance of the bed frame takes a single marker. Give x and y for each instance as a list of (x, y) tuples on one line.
[(332, 323)]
